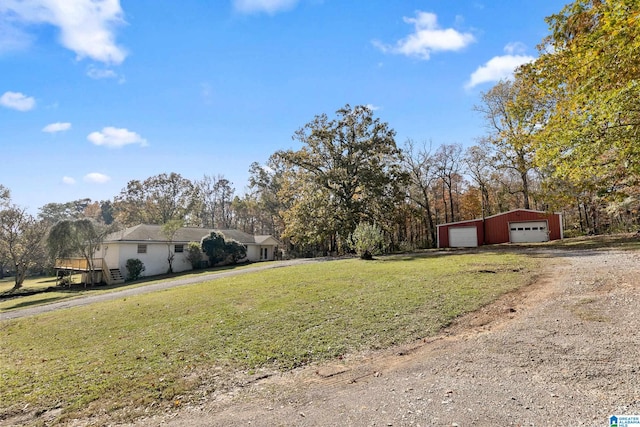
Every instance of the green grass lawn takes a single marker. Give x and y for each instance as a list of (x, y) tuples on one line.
[(157, 349)]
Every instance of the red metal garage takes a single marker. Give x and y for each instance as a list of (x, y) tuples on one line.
[(516, 226)]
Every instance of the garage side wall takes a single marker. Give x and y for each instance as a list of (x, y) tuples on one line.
[(497, 226)]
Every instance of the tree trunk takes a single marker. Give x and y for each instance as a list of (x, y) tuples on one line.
[(485, 200), (580, 216), (427, 207), (21, 273), (444, 202), (525, 189), (453, 217)]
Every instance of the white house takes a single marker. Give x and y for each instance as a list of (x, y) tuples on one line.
[(148, 244)]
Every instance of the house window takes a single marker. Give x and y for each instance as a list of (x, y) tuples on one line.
[(179, 248), (142, 249), (265, 256)]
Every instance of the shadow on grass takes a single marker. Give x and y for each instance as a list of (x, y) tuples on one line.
[(35, 302), (414, 256)]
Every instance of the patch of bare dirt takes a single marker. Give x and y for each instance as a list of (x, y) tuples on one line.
[(563, 351)]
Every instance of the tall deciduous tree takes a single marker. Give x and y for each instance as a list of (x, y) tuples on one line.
[(5, 199), (421, 168), (80, 237), (349, 172), (54, 212), (21, 241), (590, 67), (512, 114), (448, 164), (156, 200), (478, 159), (266, 183), (5, 196), (215, 195)]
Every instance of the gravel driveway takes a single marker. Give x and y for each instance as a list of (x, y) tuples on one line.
[(563, 352)]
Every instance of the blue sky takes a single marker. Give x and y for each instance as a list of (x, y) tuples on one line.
[(95, 93)]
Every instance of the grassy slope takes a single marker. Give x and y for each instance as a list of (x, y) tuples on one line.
[(159, 347)]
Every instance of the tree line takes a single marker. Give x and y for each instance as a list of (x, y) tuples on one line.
[(562, 135)]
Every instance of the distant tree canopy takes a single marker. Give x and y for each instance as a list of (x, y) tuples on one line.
[(156, 200)]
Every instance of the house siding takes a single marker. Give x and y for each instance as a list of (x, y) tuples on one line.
[(155, 260), (253, 252), (111, 256), (123, 245)]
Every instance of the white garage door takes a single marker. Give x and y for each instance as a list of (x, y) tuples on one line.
[(463, 237), (528, 232)]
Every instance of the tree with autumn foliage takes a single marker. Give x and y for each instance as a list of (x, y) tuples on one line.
[(21, 240), (511, 113), (588, 73), (347, 172), (156, 200)]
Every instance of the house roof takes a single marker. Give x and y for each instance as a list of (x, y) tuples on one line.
[(268, 239), (153, 233), (496, 215)]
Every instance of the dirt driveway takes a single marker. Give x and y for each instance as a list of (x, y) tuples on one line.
[(562, 352)]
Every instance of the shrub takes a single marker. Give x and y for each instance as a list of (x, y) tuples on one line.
[(367, 240), (235, 250), (214, 246), (194, 254), (220, 250), (135, 268)]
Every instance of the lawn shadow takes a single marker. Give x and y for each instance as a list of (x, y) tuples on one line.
[(424, 254), (26, 304)]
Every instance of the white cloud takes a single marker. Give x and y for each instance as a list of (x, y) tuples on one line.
[(500, 67), (101, 73), (97, 178), (17, 101), (514, 48), (86, 26), (268, 6), (68, 180), (12, 38), (56, 127), (372, 107), (116, 137), (427, 37)]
